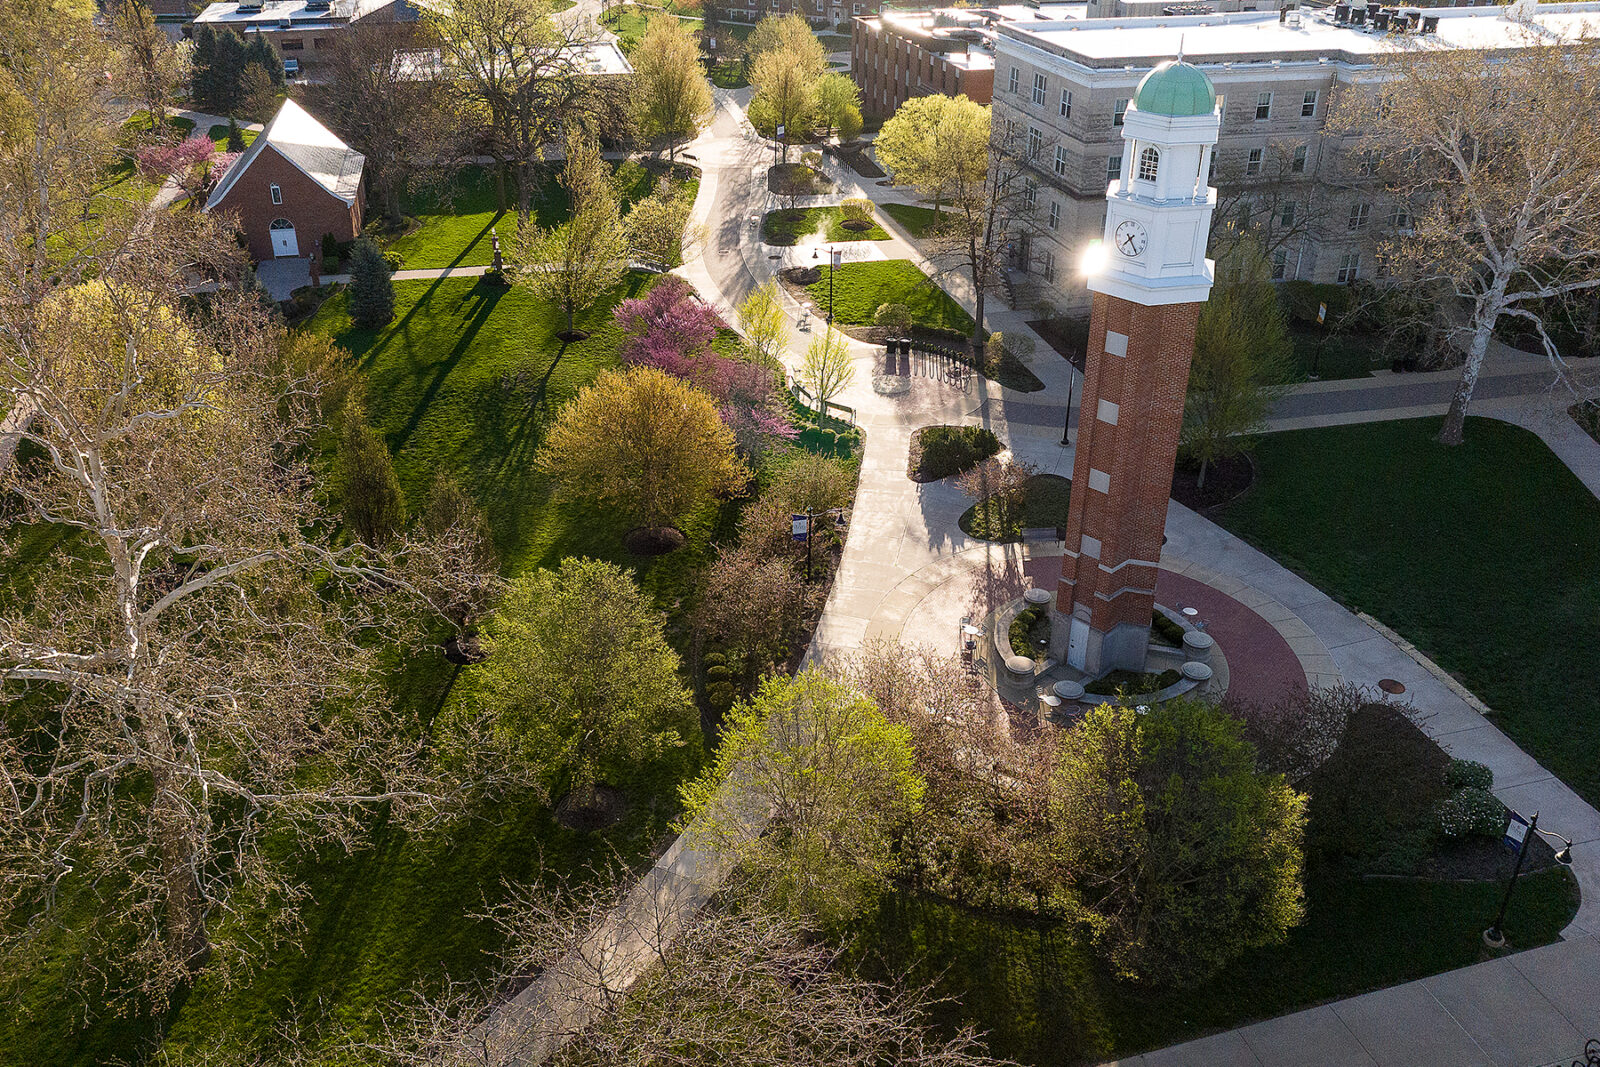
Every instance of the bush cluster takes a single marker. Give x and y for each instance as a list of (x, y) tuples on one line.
[(947, 450), (1468, 774), (1029, 625), (1471, 811), (1167, 631), (720, 692)]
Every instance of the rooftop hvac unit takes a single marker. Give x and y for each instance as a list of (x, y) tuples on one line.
[(1341, 12), (250, 5), (1358, 16), (1430, 24), (318, 5), (1380, 21)]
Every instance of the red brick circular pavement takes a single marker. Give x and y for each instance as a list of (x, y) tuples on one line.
[(1262, 668)]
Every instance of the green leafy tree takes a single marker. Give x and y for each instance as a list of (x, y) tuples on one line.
[(371, 296), (839, 105), (785, 81), (1241, 360), (374, 506), (643, 442), (788, 33), (580, 682), (1186, 854), (936, 144), (761, 317), (672, 97), (839, 781), (573, 265), (657, 225), (827, 369)]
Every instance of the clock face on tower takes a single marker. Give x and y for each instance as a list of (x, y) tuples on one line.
[(1131, 238)]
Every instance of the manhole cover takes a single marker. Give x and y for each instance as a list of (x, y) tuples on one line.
[(1392, 687)]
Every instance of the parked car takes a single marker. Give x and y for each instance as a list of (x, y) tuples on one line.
[(291, 68)]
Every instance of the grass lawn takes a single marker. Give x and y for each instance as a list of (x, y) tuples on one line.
[(1484, 556), (219, 134), (729, 74), (860, 288), (1038, 991), (1044, 504), (916, 220), (454, 230), (790, 228), (1342, 355), (629, 24)]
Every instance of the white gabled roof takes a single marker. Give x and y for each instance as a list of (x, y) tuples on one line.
[(310, 146)]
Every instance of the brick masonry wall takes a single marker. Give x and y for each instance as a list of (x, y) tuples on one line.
[(313, 210), (1137, 453)]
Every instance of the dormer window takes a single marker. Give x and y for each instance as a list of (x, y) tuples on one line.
[(1149, 164), (277, 194)]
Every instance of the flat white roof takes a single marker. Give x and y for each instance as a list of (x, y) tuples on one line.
[(1260, 36), (594, 57)]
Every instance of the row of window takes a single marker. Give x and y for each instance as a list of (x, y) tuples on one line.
[(1041, 96)]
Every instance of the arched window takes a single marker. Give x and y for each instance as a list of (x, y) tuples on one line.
[(1149, 163), (281, 224)]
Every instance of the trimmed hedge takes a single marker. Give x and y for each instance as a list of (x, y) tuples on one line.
[(1029, 625), (1468, 774), (1167, 631), (1471, 812), (1134, 683), (946, 450)]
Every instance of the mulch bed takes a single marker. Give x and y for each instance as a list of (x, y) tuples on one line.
[(1226, 479), (653, 540), (797, 179), (605, 809), (855, 157)]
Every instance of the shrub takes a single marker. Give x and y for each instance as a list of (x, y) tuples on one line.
[(394, 259), (894, 318), (1471, 812), (1133, 683), (374, 506), (1468, 774), (947, 450), (1303, 730), (330, 247), (812, 159), (1029, 625), (1167, 630), (857, 210)]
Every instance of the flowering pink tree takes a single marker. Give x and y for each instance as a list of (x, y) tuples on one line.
[(671, 329), (184, 162)]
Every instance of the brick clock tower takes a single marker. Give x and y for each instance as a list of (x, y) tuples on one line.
[(1149, 277)]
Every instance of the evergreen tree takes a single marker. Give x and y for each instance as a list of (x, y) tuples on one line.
[(202, 67), (235, 138), (371, 300), (227, 68), (261, 53), (374, 506)]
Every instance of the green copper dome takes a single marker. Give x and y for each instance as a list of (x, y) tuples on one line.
[(1176, 88)]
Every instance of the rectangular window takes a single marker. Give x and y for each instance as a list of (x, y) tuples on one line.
[(1035, 142), (292, 45), (1055, 215), (1113, 168), (1263, 105), (1066, 103), (1399, 217), (1016, 77), (1286, 214), (1030, 193), (1349, 268), (319, 42), (1368, 163), (1119, 110), (1308, 106), (1048, 262), (1040, 88), (1298, 164), (1280, 264), (1061, 161), (1252, 163), (1359, 213), (277, 194)]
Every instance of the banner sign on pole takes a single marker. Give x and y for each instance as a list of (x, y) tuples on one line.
[(780, 131), (1516, 830), (1322, 313), (835, 258), (800, 525)]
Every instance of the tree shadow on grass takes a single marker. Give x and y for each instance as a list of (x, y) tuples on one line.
[(486, 301)]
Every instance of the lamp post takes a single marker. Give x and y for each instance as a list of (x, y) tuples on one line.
[(834, 258), (1066, 423), (1495, 937)]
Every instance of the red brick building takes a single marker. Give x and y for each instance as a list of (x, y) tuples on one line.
[(901, 54), (294, 184)]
